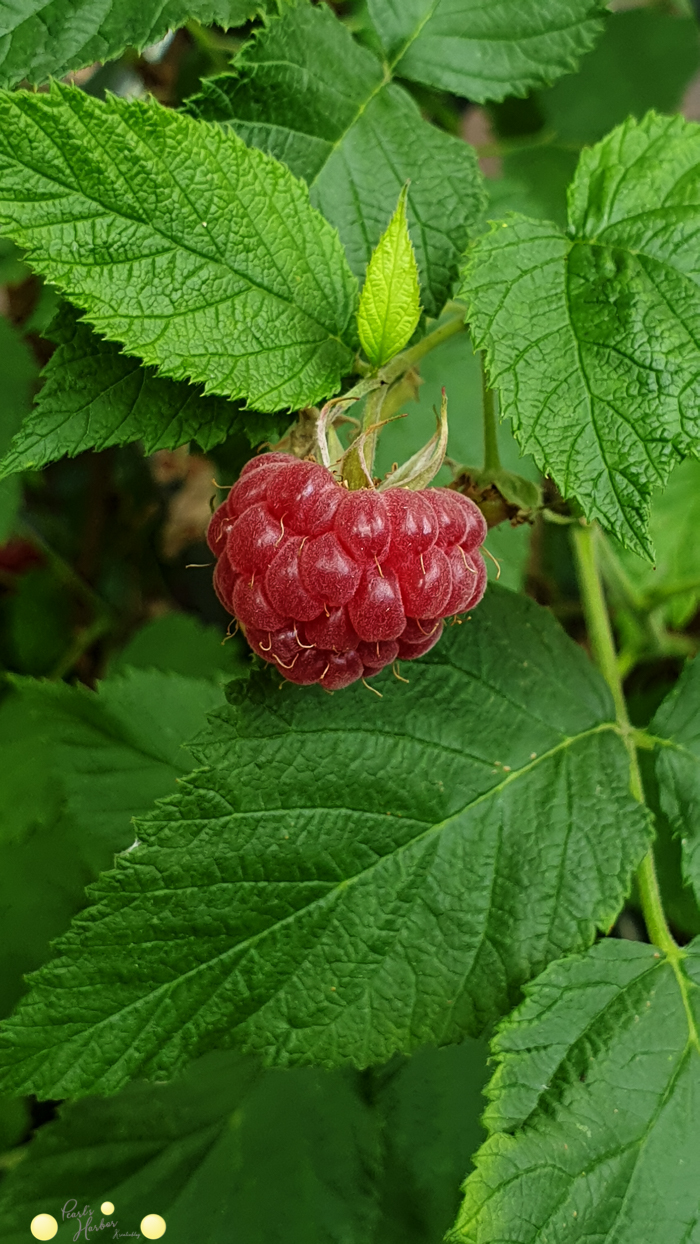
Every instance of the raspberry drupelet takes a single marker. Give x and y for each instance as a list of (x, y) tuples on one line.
[(331, 585)]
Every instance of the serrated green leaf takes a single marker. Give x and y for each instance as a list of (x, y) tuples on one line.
[(180, 643), (77, 767), (486, 51), (644, 60), (43, 38), (306, 92), (456, 367), (677, 723), (94, 396), (356, 1159), (389, 308), (339, 894), (673, 526), (592, 337), (18, 373), (593, 1106), (202, 256), (216, 1154), (430, 1111)]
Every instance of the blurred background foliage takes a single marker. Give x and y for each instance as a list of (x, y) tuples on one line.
[(113, 647)]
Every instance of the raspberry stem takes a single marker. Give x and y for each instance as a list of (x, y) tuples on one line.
[(403, 362), (585, 541), (492, 459)]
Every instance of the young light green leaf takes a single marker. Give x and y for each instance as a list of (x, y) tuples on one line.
[(677, 723), (202, 256), (207, 1153), (486, 51), (77, 766), (592, 338), (390, 301), (593, 1106), (306, 92), (43, 38), (340, 894), (94, 396)]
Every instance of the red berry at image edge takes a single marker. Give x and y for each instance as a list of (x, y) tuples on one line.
[(331, 586)]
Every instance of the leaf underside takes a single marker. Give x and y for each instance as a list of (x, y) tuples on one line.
[(592, 338), (43, 38), (338, 895), (486, 50), (594, 1107), (202, 256), (306, 92), (94, 396)]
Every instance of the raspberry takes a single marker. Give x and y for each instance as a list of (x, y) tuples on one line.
[(331, 585)]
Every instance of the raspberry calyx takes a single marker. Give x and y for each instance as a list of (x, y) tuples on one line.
[(332, 585)]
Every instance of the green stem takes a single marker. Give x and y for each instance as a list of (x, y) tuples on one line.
[(603, 646), (410, 358), (102, 616), (492, 459)]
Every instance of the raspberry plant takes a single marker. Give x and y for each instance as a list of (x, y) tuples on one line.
[(285, 976)]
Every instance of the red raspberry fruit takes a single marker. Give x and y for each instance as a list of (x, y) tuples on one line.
[(331, 585)]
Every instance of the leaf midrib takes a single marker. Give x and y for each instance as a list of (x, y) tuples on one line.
[(331, 896), (174, 244)]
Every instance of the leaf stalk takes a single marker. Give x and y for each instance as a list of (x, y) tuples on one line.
[(492, 459), (585, 539)]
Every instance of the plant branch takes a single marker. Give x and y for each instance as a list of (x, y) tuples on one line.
[(409, 358), (102, 616), (603, 646), (492, 458)]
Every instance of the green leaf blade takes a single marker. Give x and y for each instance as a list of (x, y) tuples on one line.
[(44, 38), (94, 396), (486, 51), (79, 766), (319, 914), (592, 339), (17, 377), (200, 1150), (677, 724), (594, 1105), (307, 93), (390, 301), (203, 257)]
